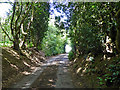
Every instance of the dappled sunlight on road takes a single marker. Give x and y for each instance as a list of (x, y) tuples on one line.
[(58, 60), (53, 73)]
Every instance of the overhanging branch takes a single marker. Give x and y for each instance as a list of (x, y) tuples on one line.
[(18, 16), (23, 18), (5, 32), (11, 24)]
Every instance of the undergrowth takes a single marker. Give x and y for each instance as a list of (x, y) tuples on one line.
[(104, 73)]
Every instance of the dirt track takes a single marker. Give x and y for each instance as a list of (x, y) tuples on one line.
[(52, 74)]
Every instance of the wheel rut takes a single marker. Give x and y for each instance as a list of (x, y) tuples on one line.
[(52, 74)]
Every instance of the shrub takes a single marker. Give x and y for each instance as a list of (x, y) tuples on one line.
[(71, 55)]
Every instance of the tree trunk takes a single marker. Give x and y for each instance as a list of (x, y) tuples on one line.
[(118, 39), (118, 31), (16, 45), (16, 42)]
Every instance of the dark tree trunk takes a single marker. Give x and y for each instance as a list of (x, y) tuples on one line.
[(64, 48), (118, 31), (118, 39), (16, 45), (75, 52)]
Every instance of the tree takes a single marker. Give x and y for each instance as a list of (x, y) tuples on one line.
[(28, 21), (90, 24), (53, 42), (40, 22), (19, 14)]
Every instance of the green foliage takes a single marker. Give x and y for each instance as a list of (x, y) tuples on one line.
[(100, 80), (30, 45), (115, 72), (40, 23), (112, 77), (89, 24), (26, 24), (71, 55), (52, 43), (90, 41)]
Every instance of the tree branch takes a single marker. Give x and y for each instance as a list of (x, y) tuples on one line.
[(28, 28), (23, 18), (5, 33), (18, 17), (11, 24)]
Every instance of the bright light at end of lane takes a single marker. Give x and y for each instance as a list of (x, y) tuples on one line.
[(68, 48)]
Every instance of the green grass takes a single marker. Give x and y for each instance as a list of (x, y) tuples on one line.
[(6, 44)]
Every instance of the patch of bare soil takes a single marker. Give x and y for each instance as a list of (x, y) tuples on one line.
[(47, 78), (15, 66), (83, 81), (64, 79), (56, 75)]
